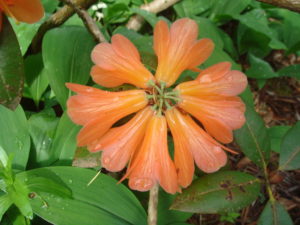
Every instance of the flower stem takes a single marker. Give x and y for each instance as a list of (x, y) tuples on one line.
[(152, 205)]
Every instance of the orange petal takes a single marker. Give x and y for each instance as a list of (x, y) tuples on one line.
[(92, 103), (28, 11), (153, 163), (178, 49), (121, 61), (104, 77), (183, 157), (219, 115), (208, 154), (119, 143), (216, 80)]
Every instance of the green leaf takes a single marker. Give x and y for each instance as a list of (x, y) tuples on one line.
[(14, 136), (116, 13), (189, 8), (151, 18), (102, 202), (36, 78), (253, 138), (290, 71), (224, 191), (290, 149), (274, 214), (276, 134), (167, 216), (260, 69), (5, 203), (258, 21), (227, 7), (66, 56), (3, 157), (18, 193), (13, 216), (42, 129), (49, 5), (11, 67), (38, 184), (64, 143), (207, 29)]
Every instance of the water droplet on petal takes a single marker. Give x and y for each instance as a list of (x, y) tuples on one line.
[(115, 99), (89, 90), (142, 184), (229, 78), (205, 79)]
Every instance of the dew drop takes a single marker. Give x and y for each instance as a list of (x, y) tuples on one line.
[(142, 183), (229, 78), (89, 90), (70, 181), (115, 99), (205, 79)]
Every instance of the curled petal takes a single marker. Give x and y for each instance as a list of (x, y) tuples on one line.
[(207, 153), (121, 62), (216, 80), (119, 143), (28, 11), (219, 115), (98, 110), (177, 49), (153, 164)]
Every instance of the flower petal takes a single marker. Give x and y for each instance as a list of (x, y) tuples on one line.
[(178, 49), (216, 80), (104, 77), (153, 163), (121, 60), (208, 154), (91, 103), (183, 158), (219, 115), (28, 11), (119, 143)]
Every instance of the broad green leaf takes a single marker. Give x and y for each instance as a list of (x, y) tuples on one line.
[(38, 184), (253, 138), (290, 71), (102, 202), (11, 67), (276, 134), (260, 69), (3, 157), (224, 191), (207, 29), (189, 8), (66, 56), (18, 193), (274, 214), (42, 129), (167, 216), (35, 77), (151, 18), (13, 216), (251, 41), (287, 25), (14, 135), (219, 55), (64, 143), (49, 5), (290, 149), (116, 13), (5, 203), (227, 7), (257, 21)]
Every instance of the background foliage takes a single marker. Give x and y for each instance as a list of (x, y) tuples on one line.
[(38, 184)]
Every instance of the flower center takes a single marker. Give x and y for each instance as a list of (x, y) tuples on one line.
[(161, 98)]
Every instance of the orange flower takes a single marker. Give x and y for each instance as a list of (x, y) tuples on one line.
[(142, 141), (28, 11)]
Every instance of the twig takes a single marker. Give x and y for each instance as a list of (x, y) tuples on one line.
[(156, 6), (293, 5), (152, 205), (88, 21), (56, 20)]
